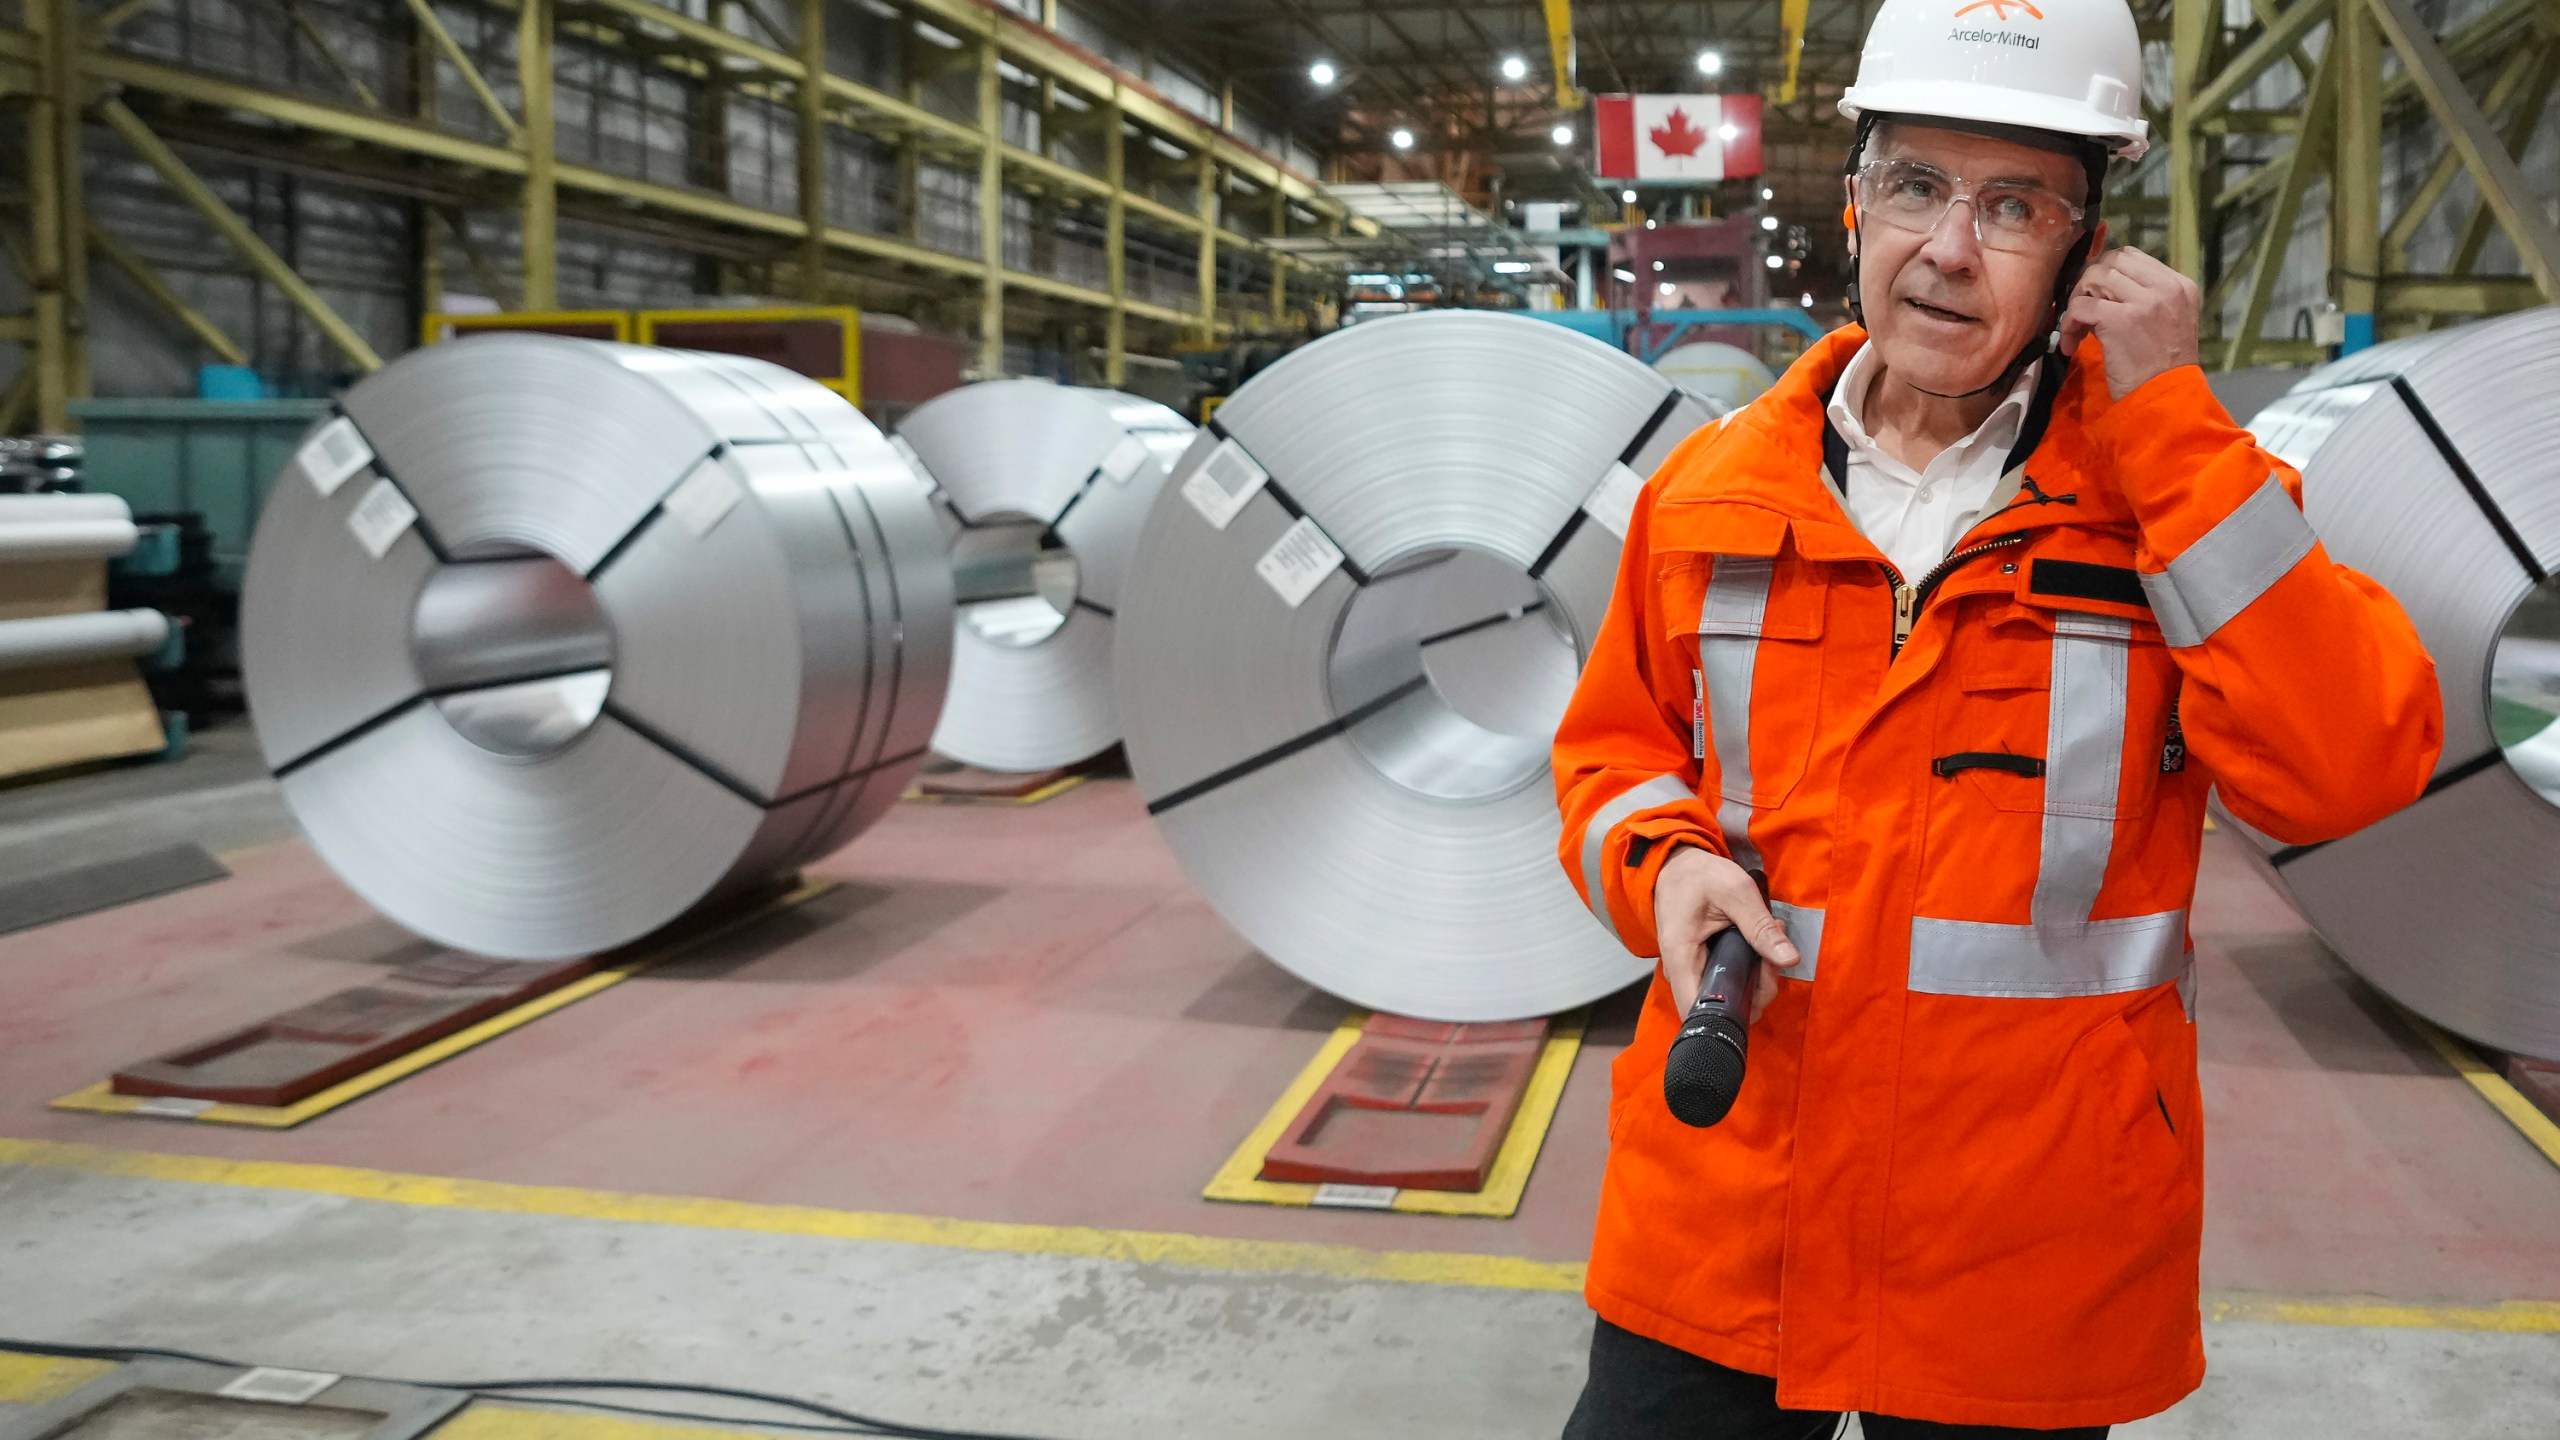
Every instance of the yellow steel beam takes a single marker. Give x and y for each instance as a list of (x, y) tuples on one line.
[(539, 222), (385, 131), (162, 293), (425, 14), (47, 118), (2274, 42), (1207, 200), (2355, 195), (2521, 124), (113, 18), (1791, 21), (17, 329), (2458, 294), (1560, 53), (2191, 34), (1115, 252), (19, 405), (2501, 182), (990, 212), (812, 150), (2275, 235), (156, 154), (2511, 77)]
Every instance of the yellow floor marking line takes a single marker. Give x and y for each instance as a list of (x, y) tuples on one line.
[(1062, 784), (2514, 1317), (2493, 1087), (1239, 1178), (484, 1421), (101, 1098), (1146, 1247), (42, 1379)]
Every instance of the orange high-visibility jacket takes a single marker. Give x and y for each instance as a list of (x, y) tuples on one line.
[(1963, 1181)]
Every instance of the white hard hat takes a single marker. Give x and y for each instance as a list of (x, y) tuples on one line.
[(2069, 66)]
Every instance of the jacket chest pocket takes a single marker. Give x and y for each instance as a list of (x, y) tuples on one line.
[(2051, 707), (1748, 628)]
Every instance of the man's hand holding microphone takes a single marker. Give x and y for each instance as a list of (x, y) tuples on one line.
[(1715, 926)]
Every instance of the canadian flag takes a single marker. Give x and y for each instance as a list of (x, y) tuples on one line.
[(1676, 137)]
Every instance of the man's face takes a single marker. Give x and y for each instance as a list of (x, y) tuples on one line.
[(1946, 312)]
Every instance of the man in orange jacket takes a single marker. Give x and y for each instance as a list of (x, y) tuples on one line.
[(1949, 633)]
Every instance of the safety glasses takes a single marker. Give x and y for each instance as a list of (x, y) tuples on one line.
[(2014, 215)]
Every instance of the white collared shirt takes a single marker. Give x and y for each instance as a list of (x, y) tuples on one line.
[(1916, 516)]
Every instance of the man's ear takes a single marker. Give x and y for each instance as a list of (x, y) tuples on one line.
[(1849, 210), (2098, 240)]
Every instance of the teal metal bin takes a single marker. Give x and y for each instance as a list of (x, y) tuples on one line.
[(215, 457)]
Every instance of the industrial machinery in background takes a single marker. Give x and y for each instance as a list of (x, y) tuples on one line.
[(1352, 624), (551, 641), (1044, 489), (2421, 469)]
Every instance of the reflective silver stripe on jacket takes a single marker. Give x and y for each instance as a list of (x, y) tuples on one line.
[(1660, 790), (1729, 623), (2233, 564), (1804, 927), (2064, 952)]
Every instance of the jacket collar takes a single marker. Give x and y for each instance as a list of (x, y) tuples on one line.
[(1780, 456)]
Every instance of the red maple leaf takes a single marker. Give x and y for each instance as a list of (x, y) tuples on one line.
[(1676, 136)]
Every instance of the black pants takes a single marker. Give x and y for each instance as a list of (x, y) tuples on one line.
[(1642, 1389)]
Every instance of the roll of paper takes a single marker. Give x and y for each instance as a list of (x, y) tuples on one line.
[(68, 639), (64, 527)]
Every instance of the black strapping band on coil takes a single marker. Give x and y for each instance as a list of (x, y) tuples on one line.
[(350, 735), (1286, 748), (1076, 499), (1271, 486), (2445, 781), (690, 760), (1573, 523), (1105, 611), (2470, 479)]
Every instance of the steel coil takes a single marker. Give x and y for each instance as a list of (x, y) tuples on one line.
[(1351, 625), (43, 640), (550, 641), (64, 527), (2432, 464), (1046, 487)]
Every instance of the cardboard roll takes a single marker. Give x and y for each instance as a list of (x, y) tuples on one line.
[(64, 527), (1351, 625), (42, 640), (1044, 488), (551, 640), (2427, 465)]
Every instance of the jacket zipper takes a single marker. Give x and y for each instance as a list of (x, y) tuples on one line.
[(1907, 599)]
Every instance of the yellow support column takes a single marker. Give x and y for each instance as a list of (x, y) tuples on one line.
[(2191, 25), (1207, 210), (2356, 175), (990, 210), (1115, 248), (540, 237), (813, 150), (49, 363), (1279, 262)]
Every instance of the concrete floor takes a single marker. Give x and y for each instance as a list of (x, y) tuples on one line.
[(1075, 1047)]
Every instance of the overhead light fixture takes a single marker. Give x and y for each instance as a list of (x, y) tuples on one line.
[(1514, 68), (1625, 277), (1808, 299), (1657, 265), (1321, 72), (1710, 62), (1668, 287), (1512, 267), (1628, 196), (1648, 224), (1768, 222), (1564, 134), (1402, 139), (1728, 133), (1767, 194), (1777, 262)]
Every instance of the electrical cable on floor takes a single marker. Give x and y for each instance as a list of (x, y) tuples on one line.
[(848, 1422)]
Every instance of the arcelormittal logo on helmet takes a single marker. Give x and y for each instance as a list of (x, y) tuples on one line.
[(2002, 11)]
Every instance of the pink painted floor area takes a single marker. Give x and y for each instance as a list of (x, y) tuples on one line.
[(1025, 1014)]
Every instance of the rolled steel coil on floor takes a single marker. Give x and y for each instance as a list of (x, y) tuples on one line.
[(550, 640), (64, 527), (41, 640), (1352, 623), (1046, 487), (2432, 464)]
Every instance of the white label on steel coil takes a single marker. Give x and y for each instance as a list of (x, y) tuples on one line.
[(1613, 500), (277, 1386), (1223, 483), (1354, 1197), (1124, 460), (334, 452), (1298, 561), (380, 518), (705, 496)]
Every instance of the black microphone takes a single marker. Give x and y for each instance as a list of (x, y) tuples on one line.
[(1703, 1073)]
